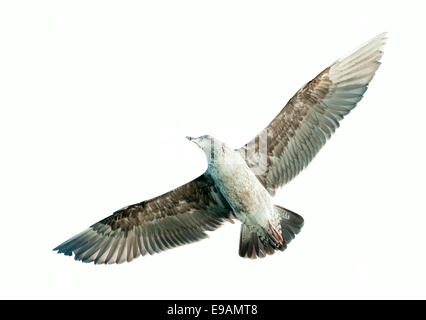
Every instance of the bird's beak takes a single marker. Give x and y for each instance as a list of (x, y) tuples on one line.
[(193, 140)]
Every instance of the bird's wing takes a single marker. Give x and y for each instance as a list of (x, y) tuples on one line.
[(303, 126), (178, 217)]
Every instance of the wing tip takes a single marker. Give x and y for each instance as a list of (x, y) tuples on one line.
[(381, 38), (375, 44), (60, 250), (383, 35)]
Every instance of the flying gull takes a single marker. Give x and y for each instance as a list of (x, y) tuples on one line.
[(238, 184)]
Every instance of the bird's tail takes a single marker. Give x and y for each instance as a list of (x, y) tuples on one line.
[(252, 245)]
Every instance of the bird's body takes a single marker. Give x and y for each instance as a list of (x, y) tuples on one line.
[(239, 183), (249, 200)]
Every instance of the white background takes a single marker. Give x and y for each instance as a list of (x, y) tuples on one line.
[(97, 96)]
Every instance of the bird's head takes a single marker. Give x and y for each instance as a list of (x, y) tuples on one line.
[(204, 142), (208, 144)]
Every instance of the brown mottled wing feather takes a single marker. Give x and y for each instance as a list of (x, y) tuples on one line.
[(178, 217), (296, 135)]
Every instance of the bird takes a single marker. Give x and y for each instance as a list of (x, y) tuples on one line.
[(239, 184)]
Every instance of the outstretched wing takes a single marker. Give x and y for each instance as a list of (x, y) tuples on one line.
[(296, 135), (178, 217)]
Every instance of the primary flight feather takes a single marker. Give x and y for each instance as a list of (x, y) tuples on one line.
[(239, 183)]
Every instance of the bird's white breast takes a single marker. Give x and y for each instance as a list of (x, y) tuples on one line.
[(247, 197)]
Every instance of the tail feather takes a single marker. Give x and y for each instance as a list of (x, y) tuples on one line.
[(291, 223), (253, 245)]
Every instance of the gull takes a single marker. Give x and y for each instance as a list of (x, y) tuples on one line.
[(239, 183)]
